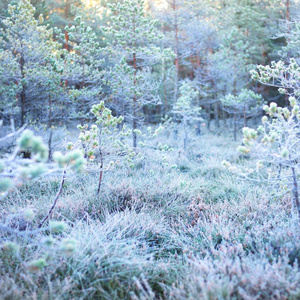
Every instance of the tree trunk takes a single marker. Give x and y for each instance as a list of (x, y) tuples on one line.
[(176, 79), (286, 98), (245, 119), (67, 8), (176, 52), (50, 129), (208, 115), (234, 114), (295, 191), (198, 123), (22, 93), (163, 69), (134, 115), (235, 125), (216, 111), (101, 172), (185, 140)]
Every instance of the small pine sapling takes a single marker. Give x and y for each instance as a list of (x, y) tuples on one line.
[(247, 104), (185, 110), (150, 142), (103, 140), (276, 144), (16, 170)]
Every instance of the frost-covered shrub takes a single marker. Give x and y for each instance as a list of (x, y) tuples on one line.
[(276, 144), (185, 109), (103, 143), (16, 170)]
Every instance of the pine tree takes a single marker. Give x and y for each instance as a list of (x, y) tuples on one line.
[(31, 60), (8, 88), (185, 108), (133, 39), (247, 104), (230, 67), (83, 67)]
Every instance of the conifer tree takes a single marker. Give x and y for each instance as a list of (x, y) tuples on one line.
[(133, 39), (8, 88), (247, 104), (186, 109), (31, 59), (276, 144), (230, 66), (83, 64)]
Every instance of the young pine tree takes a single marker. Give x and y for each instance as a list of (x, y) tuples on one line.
[(247, 104), (230, 66), (185, 109), (276, 144)]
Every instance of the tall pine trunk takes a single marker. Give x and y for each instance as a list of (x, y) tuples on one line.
[(22, 93), (198, 123), (134, 115), (50, 129)]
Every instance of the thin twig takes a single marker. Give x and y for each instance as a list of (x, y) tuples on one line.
[(56, 198), (101, 173)]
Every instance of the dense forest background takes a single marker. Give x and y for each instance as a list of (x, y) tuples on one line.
[(54, 67)]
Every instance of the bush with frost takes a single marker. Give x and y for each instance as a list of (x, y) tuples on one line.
[(276, 143)]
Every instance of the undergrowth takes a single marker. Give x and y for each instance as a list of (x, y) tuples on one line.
[(187, 229)]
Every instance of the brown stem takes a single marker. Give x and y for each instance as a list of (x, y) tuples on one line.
[(235, 125), (50, 128), (208, 115), (198, 127), (134, 121), (67, 48), (56, 199), (101, 172), (216, 112), (245, 119), (295, 191), (22, 94), (185, 140), (176, 51)]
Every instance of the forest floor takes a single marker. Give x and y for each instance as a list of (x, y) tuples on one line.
[(186, 230)]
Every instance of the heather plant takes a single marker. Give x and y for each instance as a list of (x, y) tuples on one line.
[(161, 235), (166, 223)]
